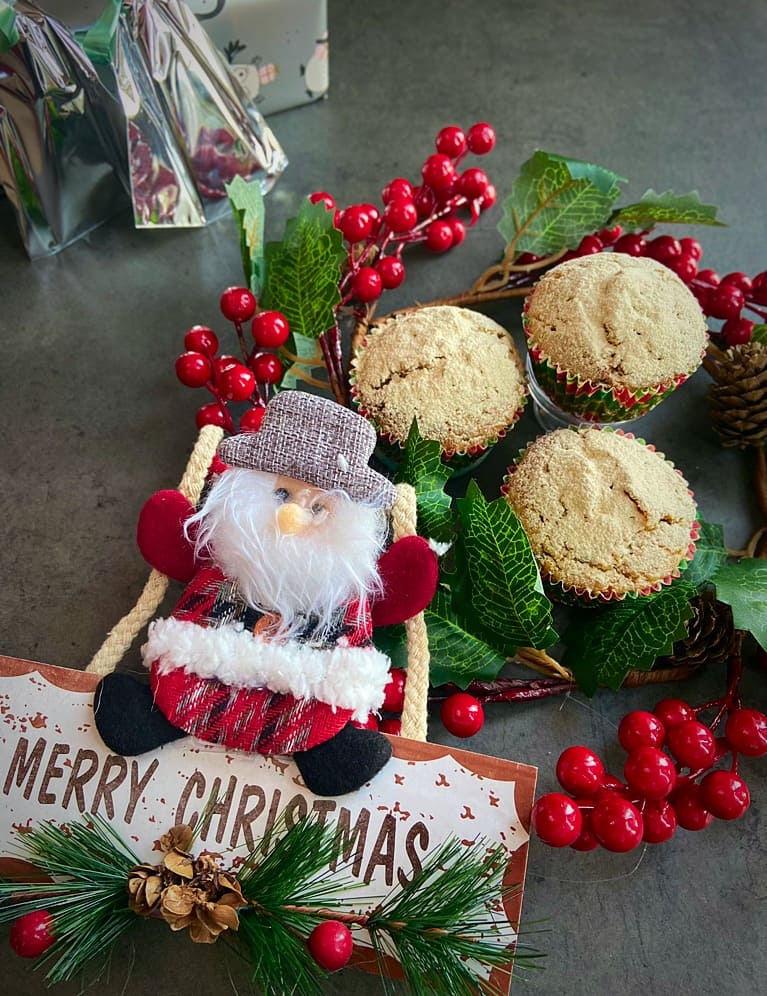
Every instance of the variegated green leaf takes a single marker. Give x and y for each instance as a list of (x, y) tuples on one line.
[(743, 586), (456, 655), (423, 468), (666, 208), (710, 554), (248, 206)]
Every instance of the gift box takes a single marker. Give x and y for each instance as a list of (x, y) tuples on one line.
[(277, 49)]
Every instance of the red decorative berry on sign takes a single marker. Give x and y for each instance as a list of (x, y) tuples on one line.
[(725, 794), (672, 712), (557, 820), (617, 823), (399, 189), (438, 172), (201, 339), (394, 691), (267, 368), (659, 818), (746, 732), (367, 284), (451, 142), (237, 383), (692, 743), (691, 814), (330, 944), (400, 216), (439, 236), (238, 304), (473, 183), (270, 330), (631, 245), (250, 421), (391, 272), (480, 138), (726, 301), (211, 414), (32, 934), (580, 771), (462, 715), (194, 369), (391, 726), (640, 729), (321, 197), (650, 772)]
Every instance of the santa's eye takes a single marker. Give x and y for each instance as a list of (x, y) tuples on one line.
[(281, 494)]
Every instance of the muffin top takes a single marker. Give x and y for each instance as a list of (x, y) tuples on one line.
[(454, 370), (618, 320), (603, 512)]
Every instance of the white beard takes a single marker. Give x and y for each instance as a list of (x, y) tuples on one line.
[(312, 573)]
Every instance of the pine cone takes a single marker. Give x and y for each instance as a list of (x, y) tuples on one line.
[(710, 635), (738, 398), (145, 886)]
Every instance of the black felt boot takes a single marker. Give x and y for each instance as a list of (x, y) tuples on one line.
[(345, 762), (127, 719)]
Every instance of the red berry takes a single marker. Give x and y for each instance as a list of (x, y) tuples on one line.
[(632, 245), (391, 271), (355, 224), (462, 715), (557, 820), (726, 301), (373, 213), (580, 771), (664, 249), (692, 744), (270, 330), (367, 284), (394, 690), (685, 267), (194, 369), (398, 189), (759, 288), (690, 812), (238, 304), (746, 731), (250, 421), (709, 277), (589, 246), (585, 841), (738, 279), (211, 414), (489, 197), (401, 215), (458, 229), (371, 723), (671, 712), (650, 772), (480, 138), (612, 784), (438, 172), (237, 383), (640, 729), (608, 236), (617, 823), (222, 363), (725, 794), (472, 183), (424, 201), (659, 818), (691, 247), (330, 944), (267, 368), (737, 331), (701, 293), (321, 197), (451, 142), (201, 339), (391, 726), (439, 236), (32, 934)]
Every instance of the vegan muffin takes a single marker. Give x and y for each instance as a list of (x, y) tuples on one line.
[(454, 370), (611, 335), (606, 515)]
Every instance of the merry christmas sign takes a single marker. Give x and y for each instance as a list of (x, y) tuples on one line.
[(54, 766)]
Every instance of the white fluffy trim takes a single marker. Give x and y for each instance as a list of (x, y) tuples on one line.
[(341, 676)]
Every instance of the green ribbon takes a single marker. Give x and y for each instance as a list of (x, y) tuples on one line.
[(99, 39), (9, 34)]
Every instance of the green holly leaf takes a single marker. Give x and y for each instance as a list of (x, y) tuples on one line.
[(422, 467), (300, 356), (303, 272), (759, 334), (506, 593), (710, 554), (669, 208), (603, 645), (554, 202), (743, 586), (456, 655), (248, 206), (392, 641)]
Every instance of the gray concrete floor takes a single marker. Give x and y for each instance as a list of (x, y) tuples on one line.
[(670, 95)]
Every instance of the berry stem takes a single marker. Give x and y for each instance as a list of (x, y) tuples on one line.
[(506, 689), (222, 405), (243, 344), (329, 356)]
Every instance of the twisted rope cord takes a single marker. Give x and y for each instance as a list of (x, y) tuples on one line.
[(120, 638), (414, 712)]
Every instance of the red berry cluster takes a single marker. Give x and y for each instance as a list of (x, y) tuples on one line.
[(228, 378), (393, 704), (411, 213), (662, 789)]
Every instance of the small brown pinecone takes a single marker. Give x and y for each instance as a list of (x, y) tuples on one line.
[(145, 888), (737, 401), (710, 635)]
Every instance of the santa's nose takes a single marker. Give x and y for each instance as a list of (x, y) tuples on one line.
[(292, 518)]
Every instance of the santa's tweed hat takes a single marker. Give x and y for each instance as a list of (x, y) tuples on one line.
[(314, 440)]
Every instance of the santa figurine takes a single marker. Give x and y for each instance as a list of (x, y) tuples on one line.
[(270, 647)]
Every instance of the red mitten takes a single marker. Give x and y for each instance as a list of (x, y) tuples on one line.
[(408, 572), (160, 535)]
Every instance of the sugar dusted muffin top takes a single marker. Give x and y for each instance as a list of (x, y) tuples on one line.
[(603, 512), (617, 320), (456, 370)]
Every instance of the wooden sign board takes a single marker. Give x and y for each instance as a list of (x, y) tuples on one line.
[(53, 766)]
